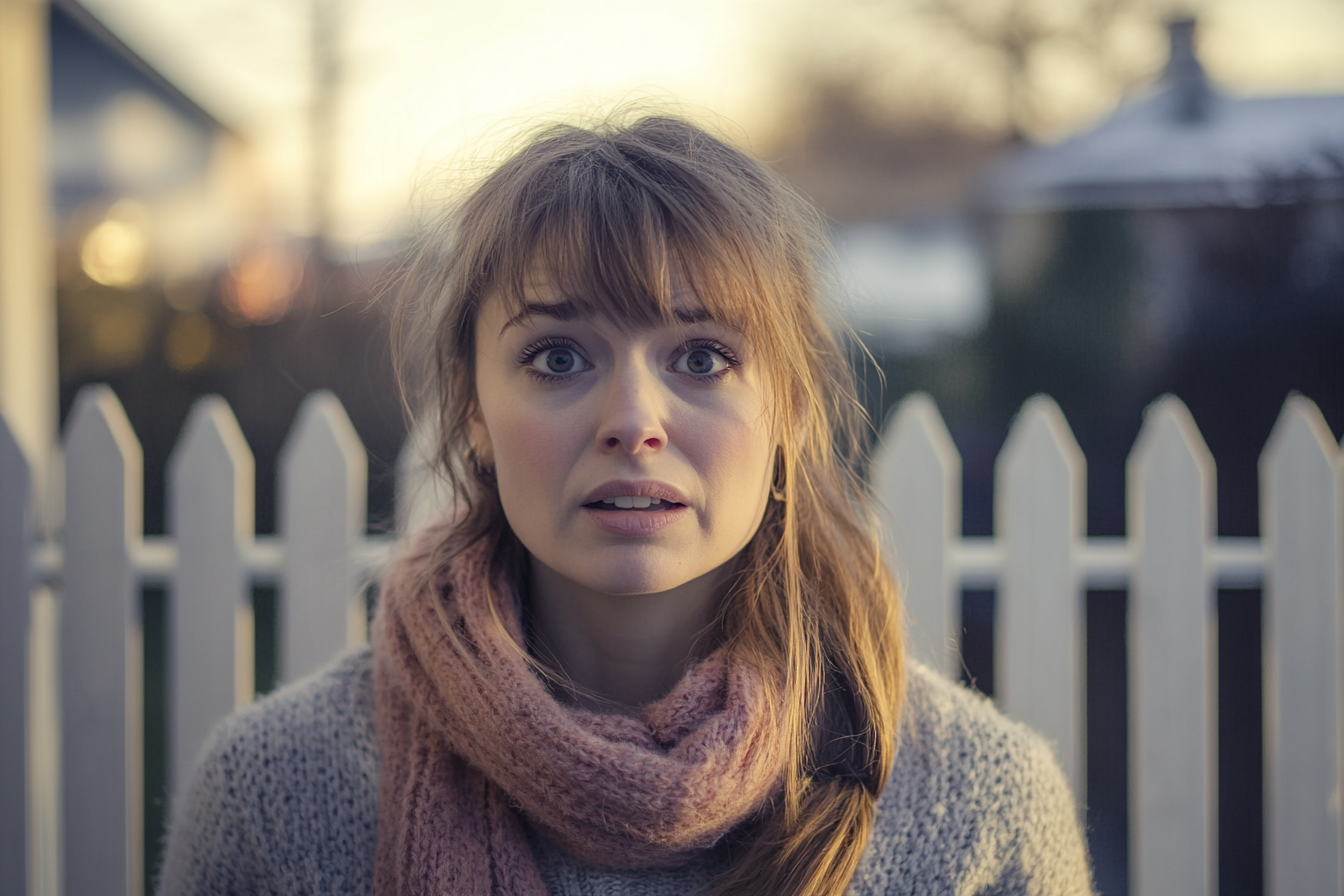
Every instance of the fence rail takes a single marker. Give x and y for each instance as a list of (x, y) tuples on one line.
[(77, 746)]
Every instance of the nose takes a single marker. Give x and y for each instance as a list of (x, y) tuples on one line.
[(631, 418)]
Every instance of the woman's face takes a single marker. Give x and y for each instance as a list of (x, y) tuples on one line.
[(629, 461)]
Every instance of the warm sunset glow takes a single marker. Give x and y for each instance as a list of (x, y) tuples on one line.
[(429, 87), (261, 282)]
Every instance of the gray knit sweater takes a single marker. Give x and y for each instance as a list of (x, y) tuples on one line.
[(284, 800)]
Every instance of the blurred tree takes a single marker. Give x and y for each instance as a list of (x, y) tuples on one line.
[(859, 160), (1029, 43), (1017, 69)]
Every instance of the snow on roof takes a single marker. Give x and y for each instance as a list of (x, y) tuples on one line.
[(1186, 145)]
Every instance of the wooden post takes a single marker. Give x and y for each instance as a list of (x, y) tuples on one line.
[(1302, 531), (916, 476), (28, 401), (1173, 736), (16, 543), (1040, 482), (27, 294)]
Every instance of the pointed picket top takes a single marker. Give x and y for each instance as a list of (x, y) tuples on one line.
[(1040, 518), (322, 444), (211, 485), (322, 512), (916, 475), (16, 542), (1041, 452), (211, 444), (98, 440), (1173, 746), (101, 683), (1169, 458), (1302, 532), (423, 494)]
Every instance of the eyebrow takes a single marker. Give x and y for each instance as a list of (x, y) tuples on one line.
[(566, 311), (556, 310)]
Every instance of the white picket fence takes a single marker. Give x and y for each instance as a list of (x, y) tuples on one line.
[(71, 796)]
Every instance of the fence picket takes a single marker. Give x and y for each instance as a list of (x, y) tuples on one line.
[(916, 474), (1173, 751), (323, 499), (1040, 516), (422, 494), (1302, 532), (15, 602), (101, 653), (210, 511)]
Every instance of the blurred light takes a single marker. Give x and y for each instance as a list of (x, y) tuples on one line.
[(189, 342), (115, 252), (261, 282)]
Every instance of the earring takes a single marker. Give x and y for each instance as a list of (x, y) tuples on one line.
[(482, 471), (777, 481)]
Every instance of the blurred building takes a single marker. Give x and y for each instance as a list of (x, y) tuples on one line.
[(1191, 244), (173, 282), (151, 195)]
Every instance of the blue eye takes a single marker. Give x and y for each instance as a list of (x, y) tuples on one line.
[(703, 361), (554, 361), (558, 360)]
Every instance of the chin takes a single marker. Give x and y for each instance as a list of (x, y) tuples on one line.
[(632, 581)]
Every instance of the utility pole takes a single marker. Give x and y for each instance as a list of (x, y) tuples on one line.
[(323, 128)]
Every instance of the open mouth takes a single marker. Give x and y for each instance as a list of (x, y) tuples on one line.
[(634, 502)]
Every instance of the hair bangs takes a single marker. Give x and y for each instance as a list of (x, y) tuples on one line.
[(613, 241)]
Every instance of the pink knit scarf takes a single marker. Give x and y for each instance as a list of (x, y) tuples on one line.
[(473, 747)]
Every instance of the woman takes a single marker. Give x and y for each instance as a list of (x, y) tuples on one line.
[(655, 648)]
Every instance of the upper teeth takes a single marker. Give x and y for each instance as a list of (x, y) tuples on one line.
[(632, 501)]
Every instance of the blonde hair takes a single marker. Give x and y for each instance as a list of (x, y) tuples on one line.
[(608, 214)]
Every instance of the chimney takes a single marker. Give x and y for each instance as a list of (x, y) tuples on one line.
[(1187, 85)]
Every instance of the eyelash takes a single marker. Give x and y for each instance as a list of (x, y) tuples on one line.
[(530, 353)]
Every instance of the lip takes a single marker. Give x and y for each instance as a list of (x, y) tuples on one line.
[(648, 488), (633, 523)]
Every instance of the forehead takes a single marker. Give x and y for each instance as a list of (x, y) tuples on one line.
[(540, 297)]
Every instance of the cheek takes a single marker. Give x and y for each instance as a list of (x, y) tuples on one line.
[(532, 451), (736, 458)]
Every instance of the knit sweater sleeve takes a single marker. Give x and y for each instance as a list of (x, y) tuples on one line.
[(283, 799), (212, 846), (976, 806), (1046, 854)]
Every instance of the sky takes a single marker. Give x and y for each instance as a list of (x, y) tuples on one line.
[(431, 88)]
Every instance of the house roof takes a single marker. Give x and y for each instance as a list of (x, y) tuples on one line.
[(1187, 144), (99, 32)]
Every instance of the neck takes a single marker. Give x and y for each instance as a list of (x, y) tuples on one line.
[(625, 650)]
